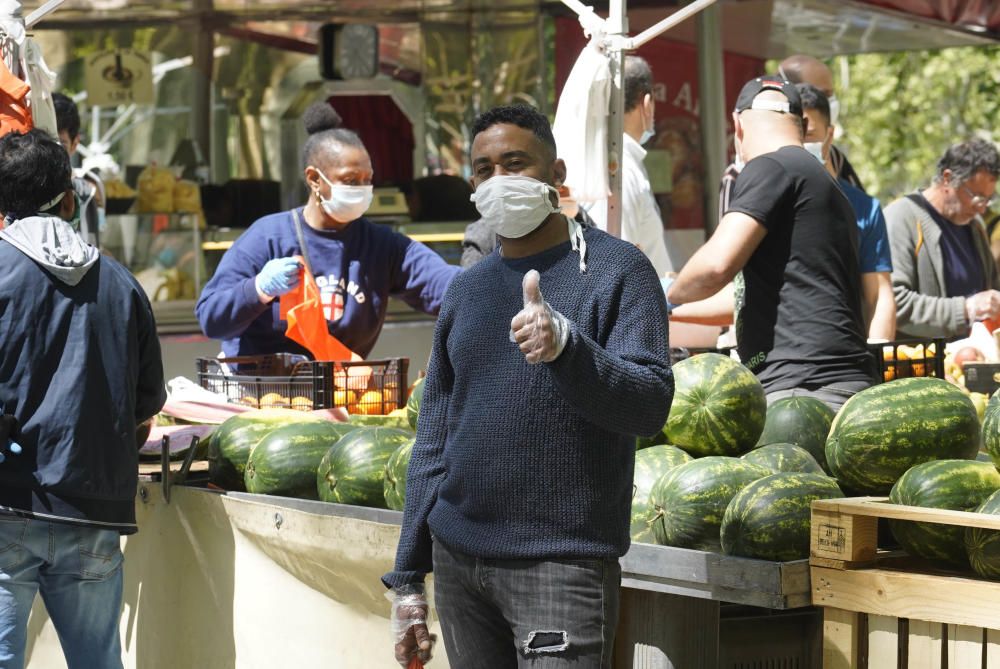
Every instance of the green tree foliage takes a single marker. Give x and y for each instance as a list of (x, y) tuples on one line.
[(899, 111)]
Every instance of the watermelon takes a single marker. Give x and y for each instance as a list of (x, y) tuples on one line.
[(983, 546), (378, 420), (230, 444), (394, 485), (650, 464), (769, 518), (991, 429), (718, 406), (690, 500), (353, 469), (284, 462), (657, 439), (413, 403), (885, 430), (959, 485), (784, 458), (803, 421)]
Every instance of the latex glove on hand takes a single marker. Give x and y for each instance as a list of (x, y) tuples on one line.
[(277, 278), (8, 425), (409, 624), (982, 305), (539, 331)]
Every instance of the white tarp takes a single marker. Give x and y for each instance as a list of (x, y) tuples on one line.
[(214, 581)]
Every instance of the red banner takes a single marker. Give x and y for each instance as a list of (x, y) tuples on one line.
[(678, 129)]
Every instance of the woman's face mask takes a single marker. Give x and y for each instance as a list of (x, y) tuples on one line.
[(514, 205), (345, 203)]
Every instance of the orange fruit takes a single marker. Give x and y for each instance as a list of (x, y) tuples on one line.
[(342, 397), (369, 404)]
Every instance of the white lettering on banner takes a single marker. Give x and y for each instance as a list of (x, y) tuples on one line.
[(685, 100), (333, 292)]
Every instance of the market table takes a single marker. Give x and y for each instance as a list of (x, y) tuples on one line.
[(238, 580)]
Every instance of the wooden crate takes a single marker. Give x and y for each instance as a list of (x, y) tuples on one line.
[(883, 609)]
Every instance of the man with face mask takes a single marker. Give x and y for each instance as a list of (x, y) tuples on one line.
[(81, 368), (800, 69), (549, 357), (357, 264), (944, 276), (875, 261), (641, 221), (791, 235)]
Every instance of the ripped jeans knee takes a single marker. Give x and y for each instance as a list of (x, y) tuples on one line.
[(543, 641)]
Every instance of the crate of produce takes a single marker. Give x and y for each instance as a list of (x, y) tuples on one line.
[(904, 358), (885, 608), (284, 380)]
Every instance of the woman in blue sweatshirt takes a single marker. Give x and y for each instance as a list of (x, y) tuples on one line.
[(358, 264)]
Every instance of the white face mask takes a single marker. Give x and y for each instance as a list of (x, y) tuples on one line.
[(834, 109), (514, 205), (816, 149), (346, 203), (738, 160)]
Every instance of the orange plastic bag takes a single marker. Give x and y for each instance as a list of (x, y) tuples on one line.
[(14, 113), (303, 310)]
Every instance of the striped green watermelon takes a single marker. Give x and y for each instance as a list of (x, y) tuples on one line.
[(690, 500), (231, 443), (983, 546), (718, 406), (959, 485), (650, 464), (658, 439), (991, 428), (784, 458), (803, 421), (413, 403), (284, 462), (378, 420), (394, 485), (884, 430), (353, 470), (769, 518)]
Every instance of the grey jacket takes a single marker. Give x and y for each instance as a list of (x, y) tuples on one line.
[(922, 309)]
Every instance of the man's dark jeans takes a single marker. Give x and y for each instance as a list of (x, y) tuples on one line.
[(542, 614)]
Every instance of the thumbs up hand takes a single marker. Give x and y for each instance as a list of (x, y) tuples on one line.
[(539, 331)]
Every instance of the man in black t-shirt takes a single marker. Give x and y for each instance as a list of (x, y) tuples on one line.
[(792, 235)]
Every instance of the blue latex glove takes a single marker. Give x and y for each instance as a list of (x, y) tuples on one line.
[(665, 284), (278, 277)]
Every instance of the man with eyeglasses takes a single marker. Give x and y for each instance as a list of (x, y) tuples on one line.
[(944, 276)]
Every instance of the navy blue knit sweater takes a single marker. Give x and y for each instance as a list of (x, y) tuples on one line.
[(522, 461)]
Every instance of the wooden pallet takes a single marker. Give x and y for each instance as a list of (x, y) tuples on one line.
[(886, 610)]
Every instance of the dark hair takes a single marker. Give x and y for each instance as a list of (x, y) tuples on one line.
[(326, 134), (967, 158), (34, 169), (638, 81), (521, 115), (813, 98), (67, 114)]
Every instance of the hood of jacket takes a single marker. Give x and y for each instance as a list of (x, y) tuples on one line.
[(54, 244)]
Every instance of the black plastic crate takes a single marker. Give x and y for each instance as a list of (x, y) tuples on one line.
[(285, 380), (905, 358), (982, 377)]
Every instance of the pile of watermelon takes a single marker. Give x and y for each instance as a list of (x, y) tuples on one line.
[(294, 454), (752, 471)]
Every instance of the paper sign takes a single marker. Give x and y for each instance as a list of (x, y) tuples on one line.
[(118, 77)]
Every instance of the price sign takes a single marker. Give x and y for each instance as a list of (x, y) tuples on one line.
[(117, 77)]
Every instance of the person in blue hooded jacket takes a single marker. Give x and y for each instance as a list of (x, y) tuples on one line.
[(358, 264), (81, 367)]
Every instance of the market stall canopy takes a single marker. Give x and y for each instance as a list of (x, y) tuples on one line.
[(778, 28), (760, 28)]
